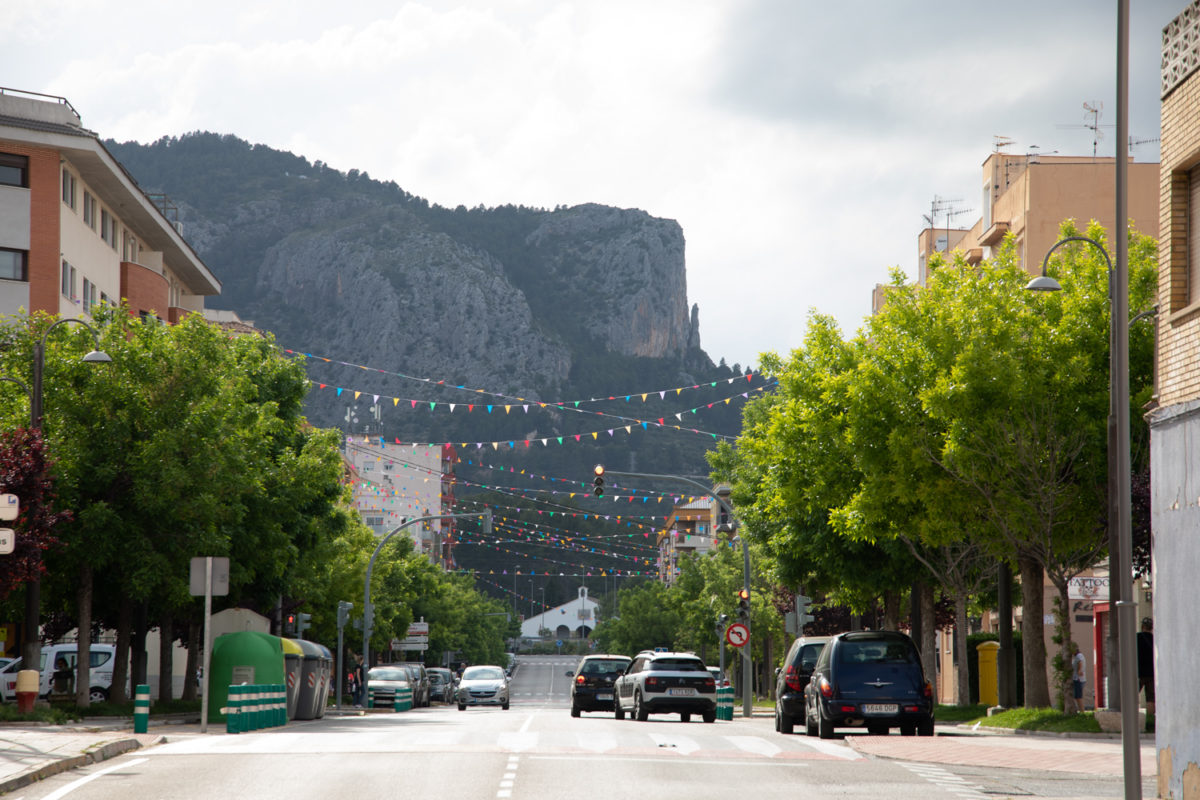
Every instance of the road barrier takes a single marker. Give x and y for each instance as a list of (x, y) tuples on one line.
[(404, 700), (141, 708), (253, 706), (725, 703)]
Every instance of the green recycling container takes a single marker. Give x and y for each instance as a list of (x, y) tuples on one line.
[(244, 657)]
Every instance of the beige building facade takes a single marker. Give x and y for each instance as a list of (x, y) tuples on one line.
[(691, 528), (1175, 419)]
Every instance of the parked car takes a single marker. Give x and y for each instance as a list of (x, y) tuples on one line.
[(483, 686), (510, 663), (592, 689), (872, 680), (385, 681), (422, 691), (666, 683), (100, 659), (721, 680), (792, 677), (441, 684)]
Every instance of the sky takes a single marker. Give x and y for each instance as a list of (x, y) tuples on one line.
[(797, 143)]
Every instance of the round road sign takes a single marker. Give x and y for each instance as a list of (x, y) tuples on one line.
[(737, 634)]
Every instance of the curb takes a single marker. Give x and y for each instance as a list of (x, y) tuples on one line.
[(103, 753)]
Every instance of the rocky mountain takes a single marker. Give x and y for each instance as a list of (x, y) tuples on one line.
[(533, 303)]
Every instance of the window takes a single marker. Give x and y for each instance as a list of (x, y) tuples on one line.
[(14, 265), (68, 188), (89, 210), (65, 283), (14, 170), (108, 226), (1192, 273), (87, 293)]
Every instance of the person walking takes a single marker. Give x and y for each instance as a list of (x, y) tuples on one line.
[(1145, 655), (1078, 676)]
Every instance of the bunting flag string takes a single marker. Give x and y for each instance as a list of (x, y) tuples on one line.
[(566, 404), (629, 422), (518, 554), (487, 541), (549, 536), (612, 573)]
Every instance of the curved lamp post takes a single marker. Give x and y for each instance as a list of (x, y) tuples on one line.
[(31, 651), (1120, 526)]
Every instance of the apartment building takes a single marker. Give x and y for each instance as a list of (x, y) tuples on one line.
[(1175, 419), (400, 482), (1030, 195), (75, 228), (691, 528)]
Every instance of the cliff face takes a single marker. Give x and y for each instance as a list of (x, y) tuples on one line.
[(514, 299)]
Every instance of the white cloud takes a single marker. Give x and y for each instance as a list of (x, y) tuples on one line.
[(797, 143)]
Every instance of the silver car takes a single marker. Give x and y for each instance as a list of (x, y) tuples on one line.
[(483, 686), (386, 681)]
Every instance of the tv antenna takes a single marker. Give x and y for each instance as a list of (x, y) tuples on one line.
[(1000, 142), (1095, 109), (1134, 142), (944, 207)]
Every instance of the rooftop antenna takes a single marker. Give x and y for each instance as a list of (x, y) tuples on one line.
[(1000, 142), (945, 207), (1133, 142), (1095, 109)]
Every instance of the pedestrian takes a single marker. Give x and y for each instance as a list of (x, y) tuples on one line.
[(1145, 651), (1078, 676), (360, 677)]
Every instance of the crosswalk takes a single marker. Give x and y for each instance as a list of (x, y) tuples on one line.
[(633, 742)]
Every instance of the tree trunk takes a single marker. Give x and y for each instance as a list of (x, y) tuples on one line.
[(962, 675), (119, 693), (137, 655), (768, 663), (166, 642), (195, 634), (1033, 642), (83, 659), (1063, 629), (891, 610), (928, 643)]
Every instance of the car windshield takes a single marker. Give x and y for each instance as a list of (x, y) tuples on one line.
[(677, 665), (876, 651), (387, 674), (435, 677), (483, 674)]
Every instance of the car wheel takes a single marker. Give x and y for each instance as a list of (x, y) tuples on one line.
[(777, 720), (462, 706), (640, 712), (504, 706), (810, 727), (785, 723), (574, 711), (97, 695), (684, 716), (710, 716), (824, 726), (925, 727)]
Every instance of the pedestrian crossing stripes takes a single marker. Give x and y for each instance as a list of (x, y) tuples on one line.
[(940, 776), (630, 743)]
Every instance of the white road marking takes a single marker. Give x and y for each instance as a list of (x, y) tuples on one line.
[(755, 744), (833, 749), (73, 785), (706, 761), (952, 783)]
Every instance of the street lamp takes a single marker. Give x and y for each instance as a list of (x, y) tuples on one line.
[(31, 651)]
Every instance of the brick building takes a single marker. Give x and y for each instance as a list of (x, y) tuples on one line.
[(1175, 419), (75, 228)]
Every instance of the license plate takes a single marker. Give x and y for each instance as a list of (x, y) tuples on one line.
[(685, 692), (604, 697), (880, 708)]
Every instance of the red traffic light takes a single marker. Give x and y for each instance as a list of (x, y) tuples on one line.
[(599, 470), (743, 594)]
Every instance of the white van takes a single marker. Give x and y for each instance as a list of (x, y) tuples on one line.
[(101, 657)]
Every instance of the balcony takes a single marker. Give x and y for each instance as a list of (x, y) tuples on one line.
[(995, 234)]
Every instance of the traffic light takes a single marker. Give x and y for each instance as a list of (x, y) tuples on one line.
[(289, 623), (743, 604), (303, 623), (343, 612), (803, 610), (598, 481)]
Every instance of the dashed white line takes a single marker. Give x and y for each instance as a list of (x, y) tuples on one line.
[(506, 782), (954, 784)]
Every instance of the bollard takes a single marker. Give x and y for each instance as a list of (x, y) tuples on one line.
[(233, 709), (370, 697), (280, 704), (404, 700), (256, 702), (141, 708)]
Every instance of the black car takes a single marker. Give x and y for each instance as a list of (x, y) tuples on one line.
[(592, 689), (441, 684), (872, 680), (791, 679)]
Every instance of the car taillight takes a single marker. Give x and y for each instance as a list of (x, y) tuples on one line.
[(791, 679), (848, 709), (710, 683), (651, 682), (927, 690), (580, 680), (825, 688)]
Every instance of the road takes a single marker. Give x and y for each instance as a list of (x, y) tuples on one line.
[(535, 750)]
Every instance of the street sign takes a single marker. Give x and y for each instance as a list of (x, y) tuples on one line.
[(737, 634), (10, 507), (8, 541), (220, 576), (418, 628)]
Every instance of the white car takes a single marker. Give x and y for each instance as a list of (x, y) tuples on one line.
[(483, 686), (101, 658)]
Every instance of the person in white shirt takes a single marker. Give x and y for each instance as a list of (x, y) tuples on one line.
[(1078, 676)]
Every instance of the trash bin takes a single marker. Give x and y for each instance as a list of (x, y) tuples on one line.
[(325, 686), (243, 657), (315, 663), (989, 682), (293, 667)]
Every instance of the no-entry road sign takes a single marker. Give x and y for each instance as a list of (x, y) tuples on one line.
[(737, 634)]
